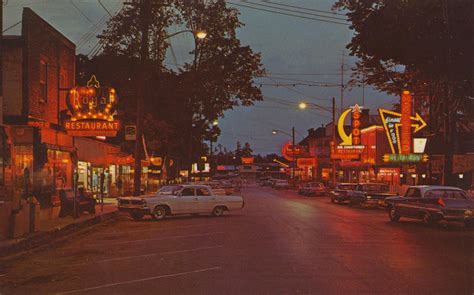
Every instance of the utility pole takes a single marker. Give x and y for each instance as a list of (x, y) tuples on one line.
[(145, 16), (334, 139), (342, 81), (294, 156), (1, 64)]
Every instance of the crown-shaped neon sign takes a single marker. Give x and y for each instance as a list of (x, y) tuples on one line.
[(92, 102)]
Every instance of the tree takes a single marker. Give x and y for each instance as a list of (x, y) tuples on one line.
[(189, 100), (424, 46)]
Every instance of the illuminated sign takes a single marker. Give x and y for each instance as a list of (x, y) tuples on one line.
[(392, 121), (288, 152), (305, 162), (405, 106), (247, 160), (405, 158), (350, 147), (419, 145), (92, 110)]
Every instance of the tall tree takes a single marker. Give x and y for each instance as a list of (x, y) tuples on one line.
[(424, 46), (189, 100)]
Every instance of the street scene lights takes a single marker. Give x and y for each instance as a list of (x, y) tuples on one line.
[(200, 34), (302, 105)]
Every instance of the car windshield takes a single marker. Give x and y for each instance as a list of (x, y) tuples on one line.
[(375, 187), (346, 186)]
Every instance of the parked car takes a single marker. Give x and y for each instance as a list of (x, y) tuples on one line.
[(268, 182), (281, 184), (313, 189), (431, 203), (187, 199), (370, 194), (341, 192)]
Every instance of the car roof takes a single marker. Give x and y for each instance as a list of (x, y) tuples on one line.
[(425, 188), (196, 186)]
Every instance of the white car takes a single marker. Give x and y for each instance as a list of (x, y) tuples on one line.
[(184, 199)]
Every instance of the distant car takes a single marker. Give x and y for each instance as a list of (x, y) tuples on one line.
[(341, 192), (313, 189), (431, 204), (370, 194), (281, 184), (187, 199), (268, 182)]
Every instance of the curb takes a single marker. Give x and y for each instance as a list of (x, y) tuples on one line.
[(45, 239)]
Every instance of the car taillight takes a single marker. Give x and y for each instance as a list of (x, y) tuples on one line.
[(441, 202)]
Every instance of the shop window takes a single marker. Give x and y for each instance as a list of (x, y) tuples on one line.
[(43, 81)]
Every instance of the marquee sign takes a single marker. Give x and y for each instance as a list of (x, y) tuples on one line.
[(350, 147), (392, 122), (92, 110)]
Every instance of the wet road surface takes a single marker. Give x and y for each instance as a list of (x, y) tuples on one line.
[(281, 243)]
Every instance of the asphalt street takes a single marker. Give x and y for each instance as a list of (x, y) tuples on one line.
[(280, 243)]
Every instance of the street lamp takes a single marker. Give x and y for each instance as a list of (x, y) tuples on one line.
[(303, 105), (276, 131), (198, 34), (211, 140)]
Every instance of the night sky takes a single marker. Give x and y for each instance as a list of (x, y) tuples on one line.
[(294, 51)]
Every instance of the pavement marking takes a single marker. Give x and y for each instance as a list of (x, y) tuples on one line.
[(141, 280), (144, 255), (145, 240), (163, 229)]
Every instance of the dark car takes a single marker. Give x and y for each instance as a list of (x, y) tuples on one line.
[(341, 192), (370, 194), (313, 189), (431, 204)]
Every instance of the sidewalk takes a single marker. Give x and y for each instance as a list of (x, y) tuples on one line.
[(51, 228)]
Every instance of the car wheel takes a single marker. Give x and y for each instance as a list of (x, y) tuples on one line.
[(159, 213), (218, 211), (393, 215), (136, 215), (426, 218)]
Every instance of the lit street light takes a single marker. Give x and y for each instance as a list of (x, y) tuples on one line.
[(302, 105)]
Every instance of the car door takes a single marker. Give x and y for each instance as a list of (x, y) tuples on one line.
[(188, 201), (410, 206), (206, 200)]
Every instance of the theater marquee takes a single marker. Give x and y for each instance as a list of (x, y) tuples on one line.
[(92, 110)]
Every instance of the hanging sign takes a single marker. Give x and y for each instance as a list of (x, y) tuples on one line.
[(92, 110), (289, 152)]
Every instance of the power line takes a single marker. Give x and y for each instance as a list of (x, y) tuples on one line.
[(12, 26), (305, 8), (296, 11), (105, 8), (80, 11), (287, 14)]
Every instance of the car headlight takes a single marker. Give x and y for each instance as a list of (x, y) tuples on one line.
[(369, 197), (468, 212)]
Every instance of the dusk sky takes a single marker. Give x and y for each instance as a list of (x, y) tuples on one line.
[(294, 50)]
